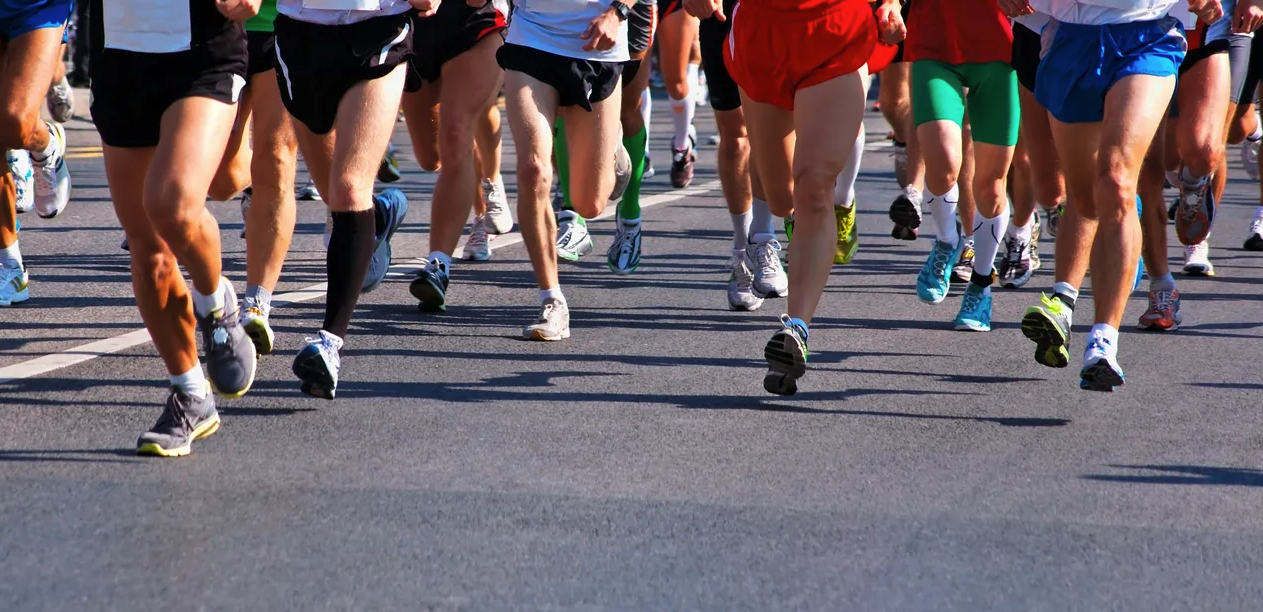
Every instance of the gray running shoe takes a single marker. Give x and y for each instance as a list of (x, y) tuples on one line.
[(770, 279), (478, 247), (741, 295), (317, 365), (553, 323), (1054, 219), (61, 101), (1015, 264), (393, 204), (623, 256), (230, 356), (498, 213), (184, 419)]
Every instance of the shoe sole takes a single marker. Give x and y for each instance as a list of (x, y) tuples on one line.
[(972, 328), (316, 380), (476, 256), (584, 249), (900, 232), (1019, 281), (1195, 230), (1253, 245), (1158, 327), (540, 336), (1100, 377), (388, 174), (905, 214), (1050, 343), (1199, 271), (17, 298), (254, 368), (261, 335), (680, 182), (745, 308), (204, 430), (429, 297), (785, 363)]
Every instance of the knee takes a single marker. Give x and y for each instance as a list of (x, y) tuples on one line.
[(427, 157), (813, 190), (348, 195), (678, 90), (174, 211), (734, 147), (277, 167), (456, 141), (1201, 156), (534, 173), (152, 262), (17, 130), (1114, 196)]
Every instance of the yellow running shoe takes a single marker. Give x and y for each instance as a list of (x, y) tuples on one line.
[(848, 238)]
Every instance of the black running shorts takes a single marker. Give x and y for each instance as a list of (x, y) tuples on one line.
[(262, 54), (131, 90), (317, 64), (1249, 88), (578, 82), (1026, 47), (712, 36), (440, 38), (642, 21)]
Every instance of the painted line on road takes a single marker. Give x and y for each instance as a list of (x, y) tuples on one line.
[(107, 346)]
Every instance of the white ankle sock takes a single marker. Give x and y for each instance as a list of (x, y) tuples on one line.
[(206, 304), (552, 294), (443, 258), (1258, 133), (1020, 232), (42, 158), (191, 383), (11, 256)]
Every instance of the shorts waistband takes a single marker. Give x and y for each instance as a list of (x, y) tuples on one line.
[(1130, 26)]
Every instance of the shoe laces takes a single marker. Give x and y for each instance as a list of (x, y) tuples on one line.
[(478, 232), (627, 237), (174, 416), (942, 257), (799, 329), (1052, 304), (1161, 300), (972, 300), (1192, 200), (1013, 250), (765, 256), (741, 272), (1256, 226)]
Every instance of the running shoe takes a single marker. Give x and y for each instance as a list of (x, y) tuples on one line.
[(741, 295), (1048, 325), (559, 199), (23, 179), (246, 194), (392, 205), (184, 420), (649, 171), (14, 287), (1101, 371), (52, 177), (573, 240), (1197, 260), (317, 365), (388, 171), (848, 235), (905, 212), (61, 101), (478, 247), (786, 354), (308, 192), (230, 356), (1250, 157), (1163, 313), (1015, 263), (964, 267), (499, 217), (254, 319), (934, 279), (430, 287), (328, 233), (123, 245), (623, 256), (1054, 215), (1255, 241), (1196, 213), (1036, 233), (682, 162), (975, 310), (622, 173), (764, 259), (789, 228), (900, 154), (552, 324)]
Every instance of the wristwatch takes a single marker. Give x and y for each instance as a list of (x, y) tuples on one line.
[(620, 9)]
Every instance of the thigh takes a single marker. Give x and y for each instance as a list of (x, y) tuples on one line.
[(676, 34), (125, 172), (592, 141), (473, 79), (273, 132), (993, 103), (532, 111), (772, 145), (29, 61), (1203, 99), (191, 144), (421, 114), (938, 93), (1130, 124), (365, 119), (827, 120)]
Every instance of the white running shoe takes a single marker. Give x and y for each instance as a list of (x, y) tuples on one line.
[(573, 240), (13, 285), (52, 177), (770, 279), (499, 216), (478, 247), (1250, 157), (623, 256), (741, 294), (61, 101), (1197, 259), (308, 192), (23, 179)]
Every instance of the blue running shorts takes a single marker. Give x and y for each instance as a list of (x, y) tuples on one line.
[(17, 17), (1081, 63)]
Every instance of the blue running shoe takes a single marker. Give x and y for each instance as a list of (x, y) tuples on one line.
[(317, 365), (430, 287), (1140, 264), (975, 310), (392, 205), (1101, 371), (786, 354), (936, 274)]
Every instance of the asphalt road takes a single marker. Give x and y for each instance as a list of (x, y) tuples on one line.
[(638, 465)]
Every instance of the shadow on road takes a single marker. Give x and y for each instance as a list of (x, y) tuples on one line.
[(93, 455), (1185, 475)]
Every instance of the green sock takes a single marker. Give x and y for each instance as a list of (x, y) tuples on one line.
[(629, 206), (562, 155)]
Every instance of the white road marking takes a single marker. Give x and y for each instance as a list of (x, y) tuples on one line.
[(107, 346)]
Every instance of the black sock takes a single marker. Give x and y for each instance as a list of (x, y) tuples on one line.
[(346, 265), (980, 280), (1065, 299)]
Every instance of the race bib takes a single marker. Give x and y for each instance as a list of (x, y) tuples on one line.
[(342, 5), (147, 26), (555, 6)]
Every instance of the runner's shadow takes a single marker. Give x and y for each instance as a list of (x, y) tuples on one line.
[(1185, 474), (95, 455)]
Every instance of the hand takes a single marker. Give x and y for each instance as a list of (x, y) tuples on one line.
[(1015, 8), (1248, 16), (703, 9), (1209, 11), (238, 10), (890, 26), (427, 7), (602, 32)]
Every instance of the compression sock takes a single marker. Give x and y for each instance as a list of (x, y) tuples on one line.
[(682, 112), (987, 233), (629, 206), (844, 188), (943, 209), (741, 229), (346, 265), (761, 218), (562, 154)]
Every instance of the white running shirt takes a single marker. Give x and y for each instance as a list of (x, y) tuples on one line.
[(554, 26), (340, 12), (1096, 12)]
